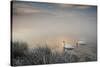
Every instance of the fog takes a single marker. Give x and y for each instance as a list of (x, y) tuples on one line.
[(53, 23)]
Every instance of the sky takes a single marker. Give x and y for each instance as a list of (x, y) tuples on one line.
[(39, 23)]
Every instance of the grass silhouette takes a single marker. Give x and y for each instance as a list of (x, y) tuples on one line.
[(20, 55)]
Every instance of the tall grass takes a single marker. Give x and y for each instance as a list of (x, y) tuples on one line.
[(41, 55)]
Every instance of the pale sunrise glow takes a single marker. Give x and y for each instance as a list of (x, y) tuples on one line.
[(41, 23), (52, 33)]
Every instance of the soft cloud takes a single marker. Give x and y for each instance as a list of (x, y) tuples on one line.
[(21, 9), (82, 7), (64, 6)]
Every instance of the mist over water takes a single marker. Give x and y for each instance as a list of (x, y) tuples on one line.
[(51, 24)]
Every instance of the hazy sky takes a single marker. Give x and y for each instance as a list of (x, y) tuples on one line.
[(35, 22)]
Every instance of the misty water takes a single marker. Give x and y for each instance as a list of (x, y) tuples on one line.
[(41, 33)]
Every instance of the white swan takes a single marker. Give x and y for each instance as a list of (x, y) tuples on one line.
[(68, 46), (81, 42)]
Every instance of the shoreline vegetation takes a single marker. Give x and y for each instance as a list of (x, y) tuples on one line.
[(20, 55)]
